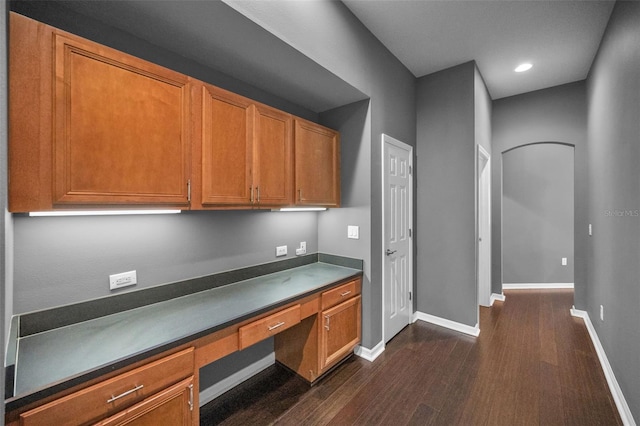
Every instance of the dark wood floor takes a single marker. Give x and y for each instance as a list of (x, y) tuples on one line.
[(532, 364)]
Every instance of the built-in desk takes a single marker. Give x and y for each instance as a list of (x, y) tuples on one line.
[(300, 306)]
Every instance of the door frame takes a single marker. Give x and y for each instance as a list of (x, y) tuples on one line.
[(386, 139), (483, 178)]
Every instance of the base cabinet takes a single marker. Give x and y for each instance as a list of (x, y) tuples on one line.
[(322, 340), (173, 406), (340, 331), (158, 390)]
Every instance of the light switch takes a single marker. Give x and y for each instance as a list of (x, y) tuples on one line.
[(564, 261), (353, 232)]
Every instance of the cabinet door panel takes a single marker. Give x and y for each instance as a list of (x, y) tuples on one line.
[(317, 165), (173, 406), (341, 331), (272, 157), (121, 132), (226, 147)]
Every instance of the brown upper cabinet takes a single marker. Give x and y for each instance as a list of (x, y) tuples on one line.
[(245, 150), (317, 165), (93, 126)]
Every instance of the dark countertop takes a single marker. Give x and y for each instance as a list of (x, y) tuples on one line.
[(50, 361)]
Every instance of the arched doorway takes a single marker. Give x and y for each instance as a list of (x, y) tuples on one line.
[(538, 216)]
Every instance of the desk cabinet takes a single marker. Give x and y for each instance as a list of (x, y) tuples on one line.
[(312, 334), (163, 387), (322, 340), (173, 406), (340, 331)]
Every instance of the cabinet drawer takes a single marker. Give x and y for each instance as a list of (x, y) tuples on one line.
[(111, 396), (340, 293), (268, 326)]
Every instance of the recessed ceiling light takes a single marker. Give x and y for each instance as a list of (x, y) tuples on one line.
[(523, 67)]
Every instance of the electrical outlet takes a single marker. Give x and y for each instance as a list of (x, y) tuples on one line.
[(122, 279), (601, 313), (281, 251), (302, 249)]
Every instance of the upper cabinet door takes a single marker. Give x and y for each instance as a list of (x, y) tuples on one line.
[(272, 160), (121, 133), (317, 165), (226, 148)]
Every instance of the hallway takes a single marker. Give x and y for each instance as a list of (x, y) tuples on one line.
[(532, 364)]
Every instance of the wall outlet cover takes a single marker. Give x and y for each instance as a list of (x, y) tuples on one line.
[(281, 251), (122, 279)]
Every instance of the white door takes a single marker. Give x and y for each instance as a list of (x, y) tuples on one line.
[(484, 227), (397, 200)]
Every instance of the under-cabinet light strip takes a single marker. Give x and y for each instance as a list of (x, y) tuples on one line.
[(101, 212), (300, 209)]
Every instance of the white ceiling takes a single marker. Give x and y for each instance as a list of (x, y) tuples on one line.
[(559, 37)]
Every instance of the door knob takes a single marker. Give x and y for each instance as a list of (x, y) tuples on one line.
[(390, 252)]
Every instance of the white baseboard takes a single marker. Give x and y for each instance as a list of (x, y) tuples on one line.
[(616, 392), (530, 286), (369, 354), (452, 325), (496, 296), (212, 392)]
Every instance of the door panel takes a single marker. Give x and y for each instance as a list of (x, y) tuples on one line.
[(121, 128), (398, 195), (226, 147), (272, 152)]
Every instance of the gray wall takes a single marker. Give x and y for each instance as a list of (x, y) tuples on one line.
[(614, 197), (446, 223), (65, 260), (61, 260), (557, 114), (328, 33), (537, 214), (482, 111), (354, 123)]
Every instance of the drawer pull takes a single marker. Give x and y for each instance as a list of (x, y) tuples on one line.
[(345, 293), (129, 392), (273, 327)]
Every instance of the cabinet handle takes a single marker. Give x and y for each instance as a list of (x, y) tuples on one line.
[(273, 327), (123, 394), (328, 321), (191, 397), (251, 196), (299, 194), (345, 293), (258, 191)]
